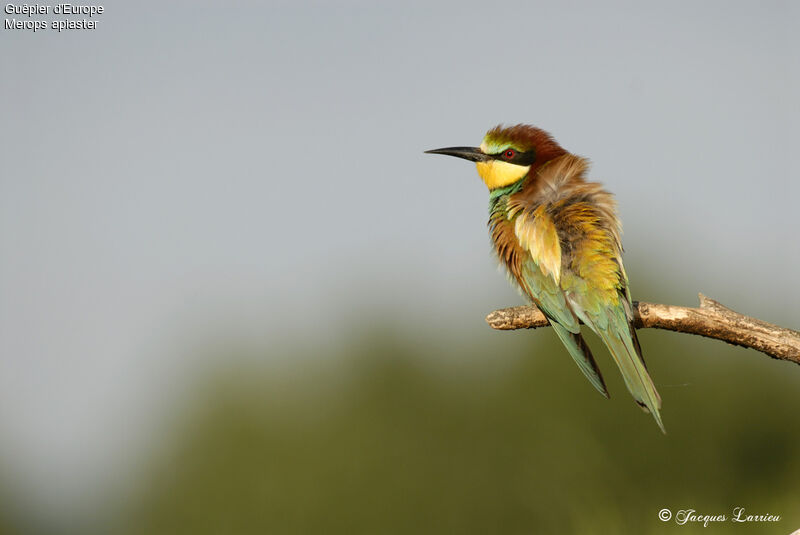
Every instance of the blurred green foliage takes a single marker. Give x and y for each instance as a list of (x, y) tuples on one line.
[(408, 432)]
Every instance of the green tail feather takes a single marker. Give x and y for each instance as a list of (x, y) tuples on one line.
[(620, 338), (580, 352)]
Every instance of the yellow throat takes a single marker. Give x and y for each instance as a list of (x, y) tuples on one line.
[(497, 173)]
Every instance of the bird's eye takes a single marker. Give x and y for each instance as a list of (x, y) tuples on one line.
[(510, 153)]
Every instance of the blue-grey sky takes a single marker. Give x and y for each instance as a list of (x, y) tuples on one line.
[(194, 168)]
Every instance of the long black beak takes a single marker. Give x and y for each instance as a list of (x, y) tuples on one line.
[(473, 154)]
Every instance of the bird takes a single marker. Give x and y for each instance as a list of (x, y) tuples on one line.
[(559, 237)]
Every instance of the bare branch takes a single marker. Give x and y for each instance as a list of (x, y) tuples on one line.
[(711, 319)]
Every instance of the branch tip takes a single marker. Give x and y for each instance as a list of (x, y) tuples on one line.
[(711, 319)]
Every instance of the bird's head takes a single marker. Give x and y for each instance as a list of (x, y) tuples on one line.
[(508, 154)]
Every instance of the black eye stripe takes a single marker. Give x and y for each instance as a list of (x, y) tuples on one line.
[(520, 158)]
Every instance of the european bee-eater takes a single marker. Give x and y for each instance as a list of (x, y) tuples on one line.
[(559, 237)]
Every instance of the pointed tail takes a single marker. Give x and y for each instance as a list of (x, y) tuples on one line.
[(582, 356), (620, 338)]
